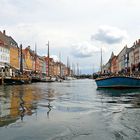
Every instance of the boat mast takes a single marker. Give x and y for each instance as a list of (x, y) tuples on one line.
[(101, 65), (92, 71), (48, 59), (73, 69), (77, 69), (60, 63), (35, 58), (21, 59), (68, 67)]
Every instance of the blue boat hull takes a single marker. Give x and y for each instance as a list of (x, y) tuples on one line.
[(118, 82)]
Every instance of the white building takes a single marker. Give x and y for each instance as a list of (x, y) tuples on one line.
[(4, 55), (4, 50), (134, 55), (121, 58)]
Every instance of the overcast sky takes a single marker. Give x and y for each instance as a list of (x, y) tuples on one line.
[(76, 28)]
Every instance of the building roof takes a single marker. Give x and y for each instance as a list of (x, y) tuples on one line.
[(4, 39), (8, 41), (32, 53), (11, 41)]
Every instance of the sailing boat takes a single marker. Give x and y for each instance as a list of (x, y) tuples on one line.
[(60, 76), (68, 77), (21, 78), (35, 78), (48, 78), (117, 81)]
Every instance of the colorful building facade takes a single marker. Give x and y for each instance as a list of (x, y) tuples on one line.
[(29, 59), (4, 50), (10, 56), (14, 53), (114, 65)]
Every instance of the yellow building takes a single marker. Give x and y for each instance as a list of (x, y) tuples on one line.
[(22, 101), (14, 57), (14, 52), (57, 68), (28, 59)]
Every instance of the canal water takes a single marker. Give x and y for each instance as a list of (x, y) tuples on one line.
[(70, 110)]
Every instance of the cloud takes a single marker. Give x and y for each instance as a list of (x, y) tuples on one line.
[(84, 49), (65, 22), (109, 35), (7, 11)]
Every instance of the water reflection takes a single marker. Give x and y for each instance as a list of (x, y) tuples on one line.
[(68, 110), (16, 103), (22, 103), (48, 97), (117, 92), (121, 96)]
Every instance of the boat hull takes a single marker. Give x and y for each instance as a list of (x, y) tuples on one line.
[(16, 81), (118, 82), (48, 79), (35, 79)]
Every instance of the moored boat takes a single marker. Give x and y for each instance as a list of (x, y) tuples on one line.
[(70, 78), (48, 79), (17, 80), (118, 82), (35, 79)]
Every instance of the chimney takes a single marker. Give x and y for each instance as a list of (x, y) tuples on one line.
[(4, 32), (139, 41)]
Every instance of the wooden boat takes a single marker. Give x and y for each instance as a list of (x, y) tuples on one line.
[(20, 78), (35, 79), (35, 74), (48, 79), (118, 82), (60, 79), (70, 78), (17, 80)]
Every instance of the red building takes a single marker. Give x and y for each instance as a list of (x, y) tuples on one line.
[(114, 64)]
